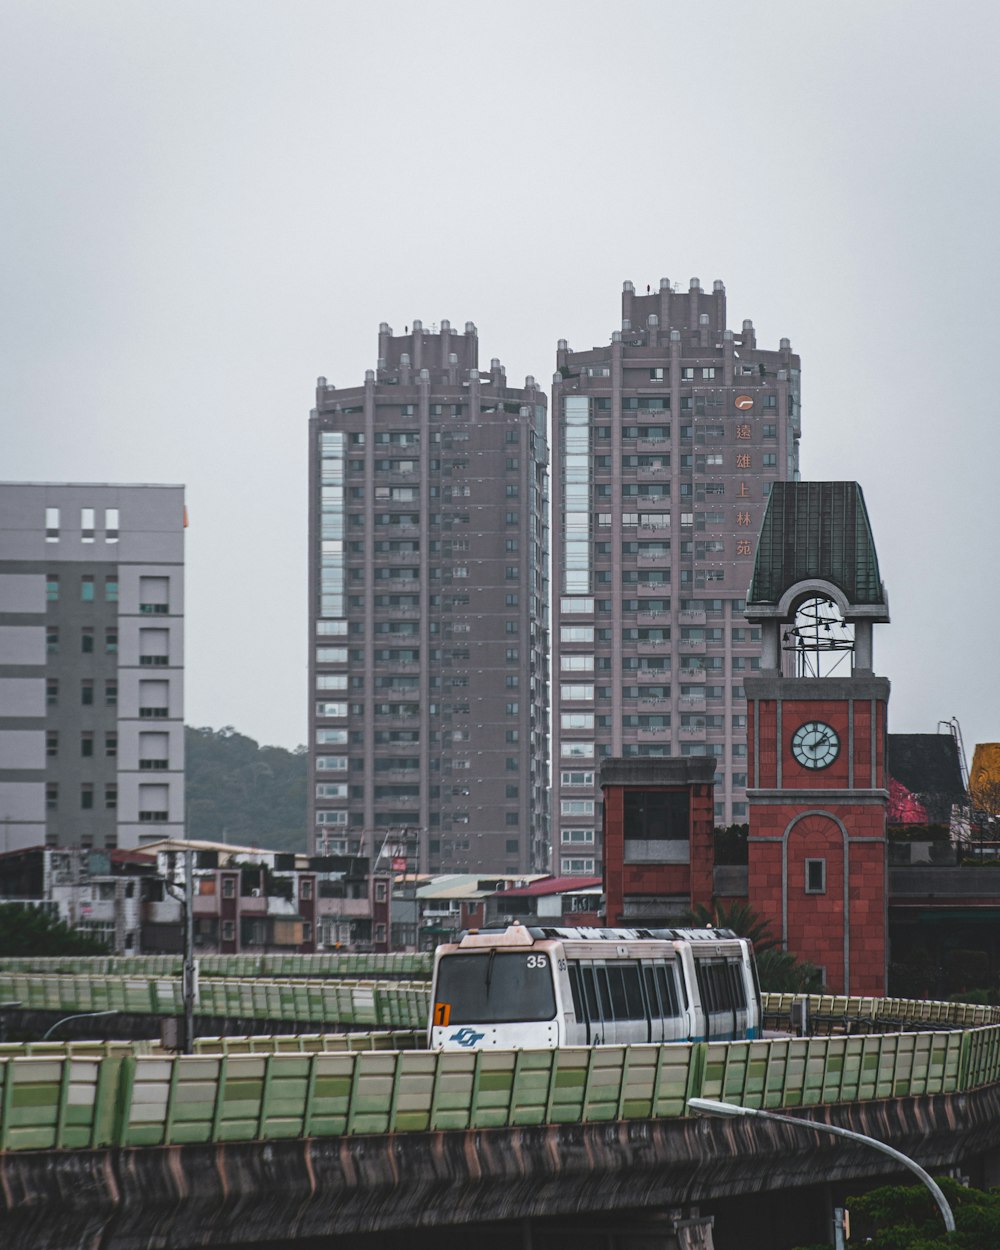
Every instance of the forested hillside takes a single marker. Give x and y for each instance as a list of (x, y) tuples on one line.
[(241, 792)]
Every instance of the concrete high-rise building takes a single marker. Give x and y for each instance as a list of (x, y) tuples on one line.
[(665, 446), (91, 664), (428, 541)]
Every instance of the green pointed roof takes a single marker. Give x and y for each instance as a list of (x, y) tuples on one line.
[(816, 531)]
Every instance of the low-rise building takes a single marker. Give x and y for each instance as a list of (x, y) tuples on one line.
[(100, 893), (251, 899), (573, 902), (456, 901)]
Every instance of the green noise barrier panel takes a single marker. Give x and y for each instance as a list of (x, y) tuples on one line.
[(398, 965), (74, 1102), (380, 1004)]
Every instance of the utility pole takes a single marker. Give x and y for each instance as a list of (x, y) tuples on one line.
[(189, 984), (190, 964)]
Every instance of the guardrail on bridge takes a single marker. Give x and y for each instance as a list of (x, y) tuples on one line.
[(76, 1103)]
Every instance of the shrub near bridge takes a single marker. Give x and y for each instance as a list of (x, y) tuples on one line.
[(906, 1217)]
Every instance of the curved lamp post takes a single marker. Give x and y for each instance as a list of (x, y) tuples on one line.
[(729, 1109)]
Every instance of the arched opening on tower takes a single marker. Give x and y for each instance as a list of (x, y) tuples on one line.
[(818, 640)]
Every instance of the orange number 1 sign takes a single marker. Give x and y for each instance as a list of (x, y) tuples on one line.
[(442, 1014)]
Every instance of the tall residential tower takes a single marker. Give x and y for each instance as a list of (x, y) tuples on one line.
[(91, 664), (428, 544), (665, 446)]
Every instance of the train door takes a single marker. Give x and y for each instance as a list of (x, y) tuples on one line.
[(668, 1015), (723, 997), (587, 1003)]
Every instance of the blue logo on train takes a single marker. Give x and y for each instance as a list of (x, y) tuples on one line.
[(466, 1037)]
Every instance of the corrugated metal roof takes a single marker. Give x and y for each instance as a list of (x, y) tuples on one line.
[(459, 885), (554, 885), (816, 530)]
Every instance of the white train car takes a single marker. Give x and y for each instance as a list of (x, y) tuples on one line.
[(526, 987)]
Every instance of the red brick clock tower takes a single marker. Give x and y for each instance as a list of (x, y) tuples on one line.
[(818, 787)]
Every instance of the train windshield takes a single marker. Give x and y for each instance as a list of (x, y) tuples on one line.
[(495, 987)]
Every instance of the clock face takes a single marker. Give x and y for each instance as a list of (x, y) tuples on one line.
[(815, 744)]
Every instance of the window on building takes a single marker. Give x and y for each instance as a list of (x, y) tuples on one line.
[(52, 587), (154, 751), (51, 525), (581, 836), (86, 589), (577, 867), (110, 525), (815, 876), (111, 588), (86, 796), (229, 930), (51, 743), (111, 745), (87, 692), (154, 700), (154, 596), (154, 648), (51, 795), (52, 640), (111, 797)]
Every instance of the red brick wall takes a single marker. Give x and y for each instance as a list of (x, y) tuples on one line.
[(623, 880), (817, 923), (614, 852)]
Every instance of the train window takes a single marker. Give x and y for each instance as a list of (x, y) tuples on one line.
[(709, 986), (576, 991), (656, 1008), (739, 985), (668, 990), (604, 992), (635, 1008), (618, 1004), (721, 984), (496, 987), (590, 992)]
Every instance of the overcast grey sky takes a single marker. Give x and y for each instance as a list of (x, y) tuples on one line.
[(204, 205)]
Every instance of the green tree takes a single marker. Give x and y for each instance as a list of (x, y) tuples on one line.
[(906, 1217), (778, 971), (740, 917), (35, 931), (243, 793)]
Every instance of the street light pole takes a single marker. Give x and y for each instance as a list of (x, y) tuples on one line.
[(730, 1109), (79, 1015)]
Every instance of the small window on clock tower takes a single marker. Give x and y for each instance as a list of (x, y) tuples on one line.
[(815, 876)]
